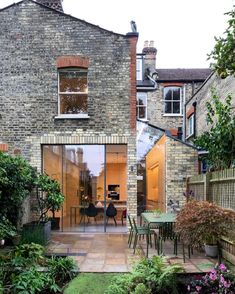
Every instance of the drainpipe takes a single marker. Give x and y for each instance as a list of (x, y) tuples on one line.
[(154, 82), (184, 115), (194, 120)]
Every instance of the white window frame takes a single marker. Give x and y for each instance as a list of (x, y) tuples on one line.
[(75, 116), (172, 101), (191, 125), (139, 68), (145, 96)]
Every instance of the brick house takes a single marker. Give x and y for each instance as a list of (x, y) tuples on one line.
[(162, 93), (68, 104), (169, 160), (196, 110)]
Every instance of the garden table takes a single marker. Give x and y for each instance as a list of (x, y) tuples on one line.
[(151, 218)]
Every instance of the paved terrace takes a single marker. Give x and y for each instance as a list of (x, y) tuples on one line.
[(110, 253)]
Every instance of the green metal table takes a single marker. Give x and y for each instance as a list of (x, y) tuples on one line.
[(152, 218)]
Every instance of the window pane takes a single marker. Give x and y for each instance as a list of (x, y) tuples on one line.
[(167, 94), (176, 93), (73, 104), (168, 107), (142, 97), (73, 81), (142, 112), (176, 107)]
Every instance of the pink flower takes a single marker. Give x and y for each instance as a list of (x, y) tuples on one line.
[(222, 267), (213, 276), (198, 288), (188, 288), (222, 279), (227, 284)]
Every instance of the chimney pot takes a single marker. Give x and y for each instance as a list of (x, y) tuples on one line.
[(151, 44), (146, 44)]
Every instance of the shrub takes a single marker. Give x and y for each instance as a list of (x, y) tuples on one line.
[(149, 276), (16, 181), (62, 269), (202, 222), (219, 280), (33, 253)]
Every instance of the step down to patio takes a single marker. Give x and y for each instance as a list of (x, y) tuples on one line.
[(64, 254)]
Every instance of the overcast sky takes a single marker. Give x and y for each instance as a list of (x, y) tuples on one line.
[(183, 30)]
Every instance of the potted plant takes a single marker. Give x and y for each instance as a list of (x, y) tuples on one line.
[(49, 199), (201, 223)]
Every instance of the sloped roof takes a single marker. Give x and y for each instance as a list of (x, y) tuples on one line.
[(183, 74), (68, 15)]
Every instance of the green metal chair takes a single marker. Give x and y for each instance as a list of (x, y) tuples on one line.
[(140, 231), (165, 232), (131, 232)]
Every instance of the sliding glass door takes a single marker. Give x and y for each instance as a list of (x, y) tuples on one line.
[(91, 177)]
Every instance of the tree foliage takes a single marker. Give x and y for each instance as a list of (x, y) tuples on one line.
[(16, 182), (219, 141), (223, 54)]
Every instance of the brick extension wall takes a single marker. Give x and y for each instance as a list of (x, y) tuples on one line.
[(181, 162), (32, 39)]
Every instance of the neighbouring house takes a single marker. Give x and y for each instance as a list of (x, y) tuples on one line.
[(68, 105), (162, 93), (164, 159), (196, 106), (196, 109)]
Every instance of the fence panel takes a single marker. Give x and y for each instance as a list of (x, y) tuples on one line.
[(217, 187)]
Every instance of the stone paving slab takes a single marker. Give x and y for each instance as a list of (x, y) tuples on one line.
[(110, 253)]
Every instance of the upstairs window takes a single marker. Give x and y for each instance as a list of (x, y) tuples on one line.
[(142, 105), (73, 92), (139, 68), (172, 100), (191, 125)]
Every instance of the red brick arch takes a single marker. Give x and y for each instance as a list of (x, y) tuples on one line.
[(72, 61)]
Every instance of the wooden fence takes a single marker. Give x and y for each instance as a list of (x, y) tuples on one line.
[(217, 187)]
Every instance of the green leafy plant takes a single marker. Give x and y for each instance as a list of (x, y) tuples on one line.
[(62, 269), (32, 253), (16, 182), (202, 222), (32, 281), (6, 228), (149, 276), (223, 53), (219, 141), (48, 195)]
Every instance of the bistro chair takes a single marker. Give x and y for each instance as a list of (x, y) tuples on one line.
[(91, 211), (165, 232), (123, 215), (138, 232), (131, 232), (111, 212)]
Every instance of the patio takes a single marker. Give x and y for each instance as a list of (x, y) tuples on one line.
[(110, 253)]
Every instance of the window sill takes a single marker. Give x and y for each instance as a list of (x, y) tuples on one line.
[(189, 136), (143, 119), (72, 116), (172, 114)]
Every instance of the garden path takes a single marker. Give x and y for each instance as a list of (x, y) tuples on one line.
[(110, 253)]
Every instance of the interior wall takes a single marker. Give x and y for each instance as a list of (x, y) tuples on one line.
[(155, 176)]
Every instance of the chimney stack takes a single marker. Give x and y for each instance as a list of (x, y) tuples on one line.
[(55, 4), (150, 55)]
